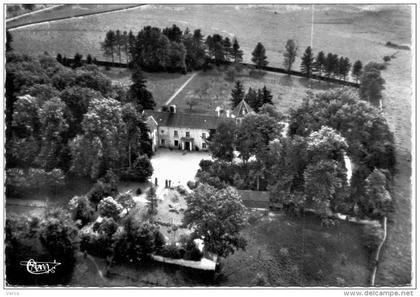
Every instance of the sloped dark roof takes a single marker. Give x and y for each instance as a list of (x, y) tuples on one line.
[(242, 109), (185, 120)]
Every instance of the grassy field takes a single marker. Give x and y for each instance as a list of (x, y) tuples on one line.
[(291, 251), (212, 88), (358, 32), (66, 10), (162, 85)]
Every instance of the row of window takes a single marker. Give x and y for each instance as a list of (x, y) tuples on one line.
[(187, 134), (176, 143)]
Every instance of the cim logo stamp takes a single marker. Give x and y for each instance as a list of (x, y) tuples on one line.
[(34, 267)]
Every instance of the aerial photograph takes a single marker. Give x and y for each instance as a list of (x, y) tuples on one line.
[(210, 146)]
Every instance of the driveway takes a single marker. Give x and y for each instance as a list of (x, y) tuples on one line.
[(177, 166)]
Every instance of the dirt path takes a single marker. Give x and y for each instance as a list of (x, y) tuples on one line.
[(180, 89)]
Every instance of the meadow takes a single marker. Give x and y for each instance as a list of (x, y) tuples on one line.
[(358, 32)]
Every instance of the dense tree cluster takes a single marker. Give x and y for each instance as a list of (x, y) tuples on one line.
[(329, 65), (170, 49), (61, 120), (369, 139), (255, 98), (216, 216), (306, 169)]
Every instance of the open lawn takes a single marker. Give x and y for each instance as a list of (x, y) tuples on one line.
[(162, 85), (297, 251), (212, 88)]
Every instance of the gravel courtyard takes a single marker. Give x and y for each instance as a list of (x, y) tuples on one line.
[(177, 166)]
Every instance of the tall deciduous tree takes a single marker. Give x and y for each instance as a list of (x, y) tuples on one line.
[(258, 56), (371, 85), (108, 45), (254, 134), (326, 143), (325, 185), (290, 54), (100, 147), (174, 33), (222, 143), (307, 64), (54, 128), (137, 141), (357, 70), (377, 200), (217, 216)]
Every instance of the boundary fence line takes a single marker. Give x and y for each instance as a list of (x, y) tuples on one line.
[(265, 68)]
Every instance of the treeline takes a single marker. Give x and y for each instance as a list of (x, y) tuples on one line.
[(62, 121), (329, 65), (255, 98), (170, 49)]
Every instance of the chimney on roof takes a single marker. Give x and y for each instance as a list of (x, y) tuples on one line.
[(228, 113), (172, 108)]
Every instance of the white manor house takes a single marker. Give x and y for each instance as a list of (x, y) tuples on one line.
[(188, 131)]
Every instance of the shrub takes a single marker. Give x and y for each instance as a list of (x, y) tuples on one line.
[(139, 191), (96, 245), (81, 209), (142, 170), (108, 207), (136, 241), (126, 201), (386, 59), (107, 227), (181, 190), (205, 164), (171, 251), (192, 184), (159, 240), (101, 190), (192, 252)]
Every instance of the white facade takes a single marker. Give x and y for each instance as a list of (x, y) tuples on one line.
[(192, 139)]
